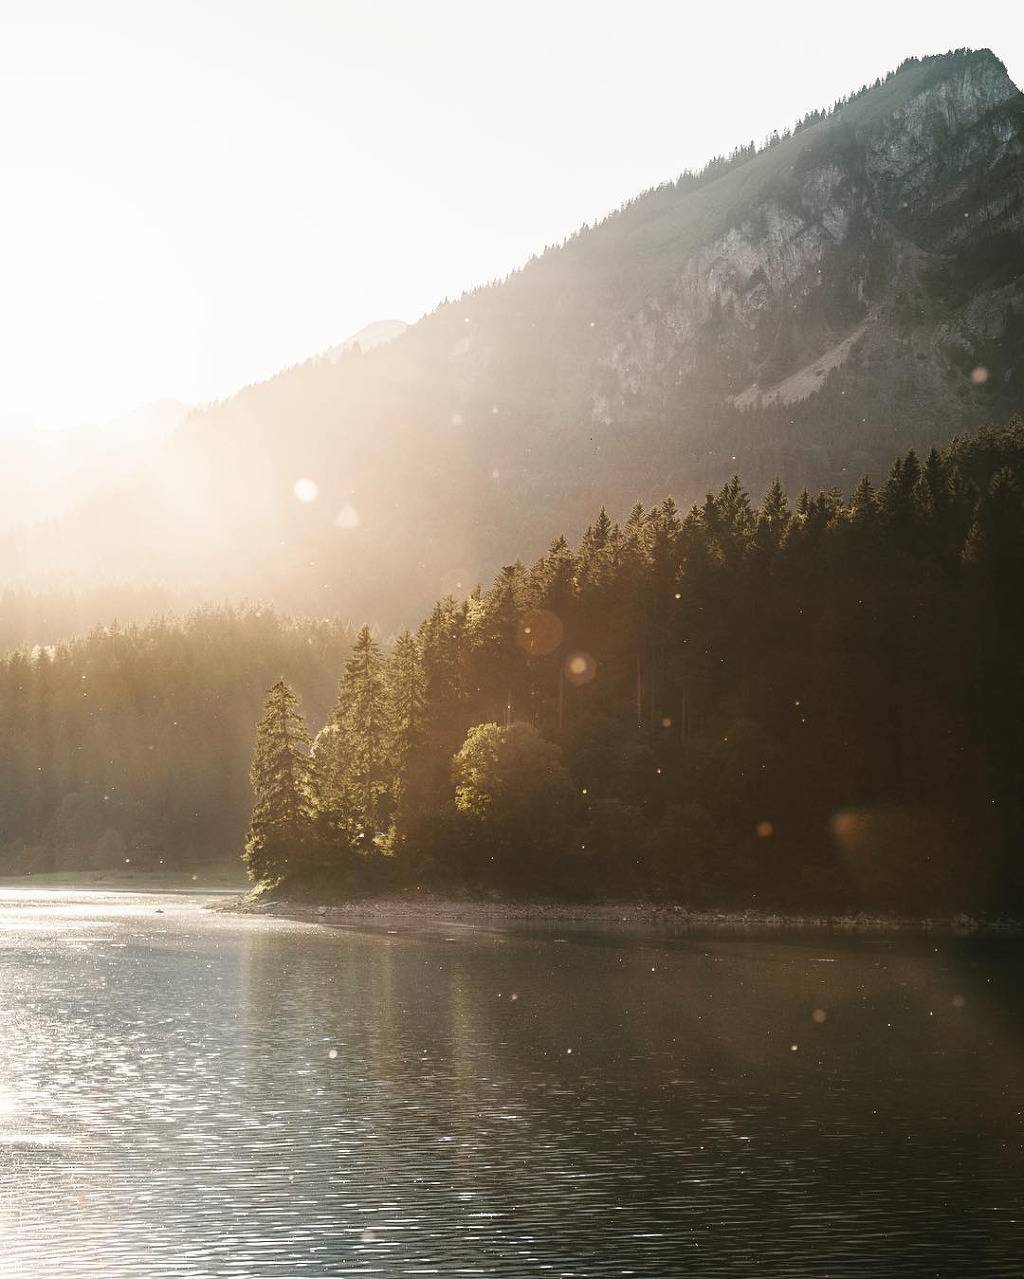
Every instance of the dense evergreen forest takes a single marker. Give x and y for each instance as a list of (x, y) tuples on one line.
[(135, 742), (809, 705)]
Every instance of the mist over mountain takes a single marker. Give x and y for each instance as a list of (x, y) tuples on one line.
[(49, 472), (804, 310), (379, 333)]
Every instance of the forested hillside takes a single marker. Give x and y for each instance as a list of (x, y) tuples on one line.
[(45, 618), (135, 742), (817, 704), (814, 702), (803, 309)]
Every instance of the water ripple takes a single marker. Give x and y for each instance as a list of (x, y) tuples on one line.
[(199, 1095)]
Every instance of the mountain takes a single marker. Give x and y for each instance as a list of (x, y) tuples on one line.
[(47, 473), (378, 333), (807, 310)]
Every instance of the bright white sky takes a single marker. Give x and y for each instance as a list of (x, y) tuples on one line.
[(196, 194)]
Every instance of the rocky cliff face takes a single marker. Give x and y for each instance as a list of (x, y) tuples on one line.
[(860, 229), (921, 155), (852, 290)]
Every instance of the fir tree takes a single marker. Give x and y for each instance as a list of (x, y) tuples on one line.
[(773, 513), (864, 503), (362, 716), (330, 770), (406, 685), (280, 839), (442, 643), (898, 500)]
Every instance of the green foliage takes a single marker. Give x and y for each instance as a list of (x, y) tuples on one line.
[(734, 706), (151, 728), (406, 713), (809, 705), (499, 771), (363, 745), (516, 794), (281, 839)]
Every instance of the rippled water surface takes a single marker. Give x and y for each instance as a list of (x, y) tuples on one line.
[(191, 1093)]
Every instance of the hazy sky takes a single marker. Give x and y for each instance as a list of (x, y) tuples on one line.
[(194, 195)]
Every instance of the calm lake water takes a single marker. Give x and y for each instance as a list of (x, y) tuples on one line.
[(189, 1093)]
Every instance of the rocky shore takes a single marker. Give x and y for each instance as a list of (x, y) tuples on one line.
[(429, 911)]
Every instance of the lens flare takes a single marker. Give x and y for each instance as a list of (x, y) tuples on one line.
[(846, 824), (580, 668), (540, 632)]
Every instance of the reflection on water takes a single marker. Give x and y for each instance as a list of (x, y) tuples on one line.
[(189, 1093)]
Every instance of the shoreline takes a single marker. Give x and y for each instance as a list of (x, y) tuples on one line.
[(451, 912), (218, 880), (228, 895)]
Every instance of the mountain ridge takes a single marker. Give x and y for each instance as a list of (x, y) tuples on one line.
[(644, 356)]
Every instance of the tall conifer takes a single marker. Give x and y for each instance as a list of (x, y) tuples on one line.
[(407, 706), (362, 715), (280, 836)]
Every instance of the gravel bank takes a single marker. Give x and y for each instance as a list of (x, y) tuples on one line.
[(447, 912)]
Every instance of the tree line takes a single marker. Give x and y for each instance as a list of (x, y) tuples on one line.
[(135, 741), (773, 704)]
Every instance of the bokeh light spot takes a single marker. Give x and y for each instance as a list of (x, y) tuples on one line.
[(845, 824), (540, 632), (580, 668)]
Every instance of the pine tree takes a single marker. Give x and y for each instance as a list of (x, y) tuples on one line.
[(864, 503), (330, 770), (442, 645), (898, 500), (552, 580), (933, 481), (363, 719), (773, 513), (499, 663), (599, 533), (553, 592), (442, 641), (280, 839), (406, 686)]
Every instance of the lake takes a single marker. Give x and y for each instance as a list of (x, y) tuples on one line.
[(189, 1093)]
